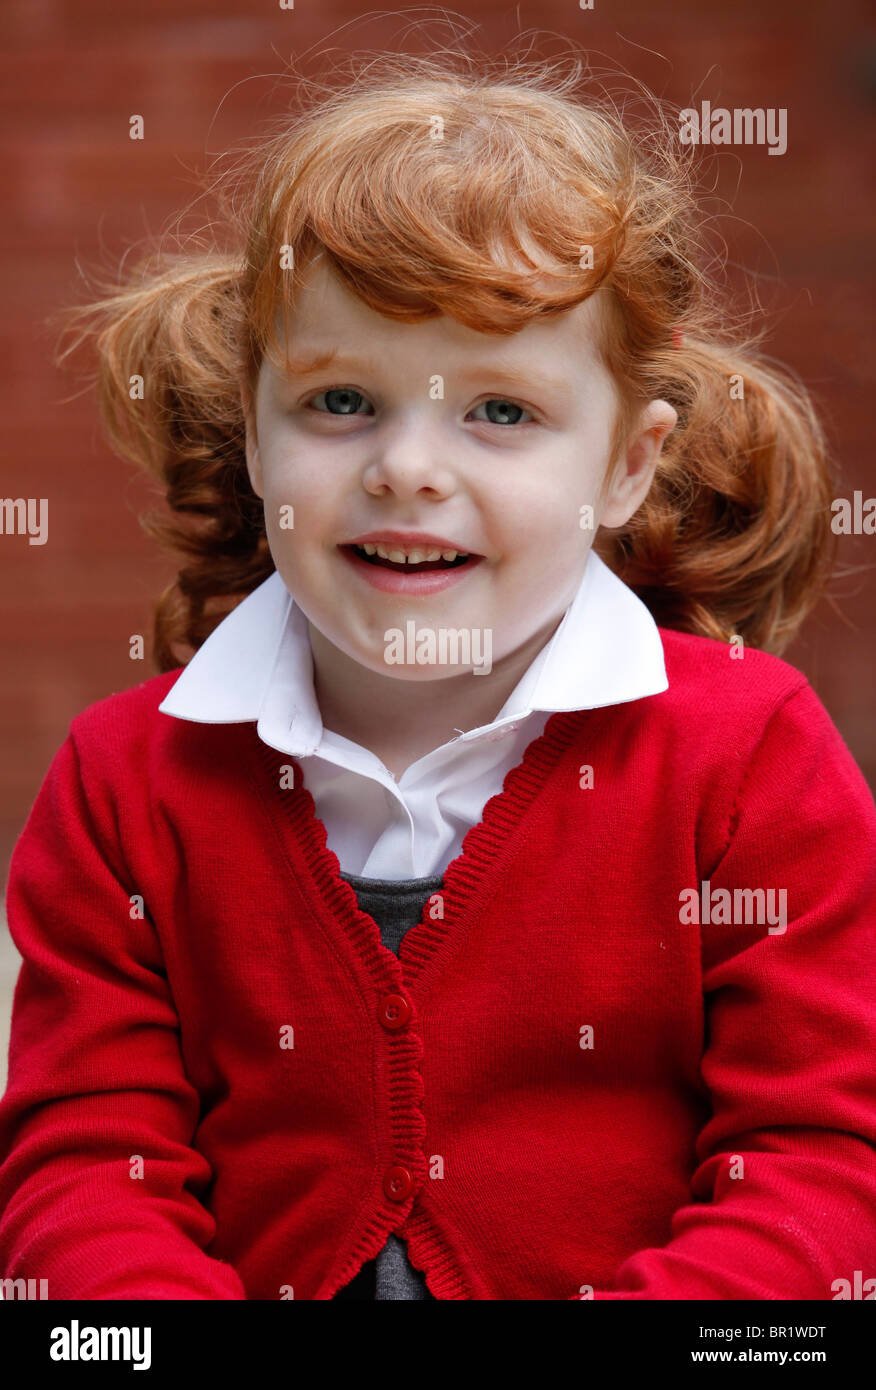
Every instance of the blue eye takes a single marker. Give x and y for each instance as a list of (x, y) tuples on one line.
[(505, 409), (341, 400)]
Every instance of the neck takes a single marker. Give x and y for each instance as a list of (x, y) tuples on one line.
[(403, 720)]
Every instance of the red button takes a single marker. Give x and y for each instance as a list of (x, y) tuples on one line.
[(394, 1011), (397, 1183)]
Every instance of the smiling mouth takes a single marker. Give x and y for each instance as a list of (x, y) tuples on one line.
[(403, 567)]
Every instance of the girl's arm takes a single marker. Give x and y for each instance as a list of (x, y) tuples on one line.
[(97, 1174), (784, 1191)]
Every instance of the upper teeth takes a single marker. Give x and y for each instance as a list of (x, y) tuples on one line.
[(411, 557)]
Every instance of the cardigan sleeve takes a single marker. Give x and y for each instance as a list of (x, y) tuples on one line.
[(98, 1179), (784, 1188)]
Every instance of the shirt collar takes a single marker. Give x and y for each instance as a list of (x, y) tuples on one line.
[(257, 664)]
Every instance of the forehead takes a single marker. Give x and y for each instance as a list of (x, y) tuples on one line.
[(326, 316)]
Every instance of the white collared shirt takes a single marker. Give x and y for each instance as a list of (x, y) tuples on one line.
[(257, 665)]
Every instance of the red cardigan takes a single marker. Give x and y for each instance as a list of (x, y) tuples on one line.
[(239, 1092)]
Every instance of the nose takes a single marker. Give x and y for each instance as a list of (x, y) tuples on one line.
[(407, 457)]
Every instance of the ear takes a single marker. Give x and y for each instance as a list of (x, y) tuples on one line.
[(634, 472), (253, 457)]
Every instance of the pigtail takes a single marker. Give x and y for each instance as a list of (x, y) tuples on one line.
[(168, 387), (733, 539)]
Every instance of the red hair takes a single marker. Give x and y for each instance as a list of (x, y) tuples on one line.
[(471, 188)]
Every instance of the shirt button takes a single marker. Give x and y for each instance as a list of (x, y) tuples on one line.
[(394, 1011), (397, 1183)]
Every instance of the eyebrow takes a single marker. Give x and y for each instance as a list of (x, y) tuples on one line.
[(523, 377), (515, 377), (318, 361)]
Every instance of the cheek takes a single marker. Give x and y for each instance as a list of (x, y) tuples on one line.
[(547, 517), (574, 498), (298, 502)]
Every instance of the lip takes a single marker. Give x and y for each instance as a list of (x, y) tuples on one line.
[(407, 540), (396, 582)]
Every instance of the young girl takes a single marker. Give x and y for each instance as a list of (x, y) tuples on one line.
[(474, 916)]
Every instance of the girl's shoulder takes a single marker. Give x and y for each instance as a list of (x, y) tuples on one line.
[(728, 675), (726, 699), (118, 755), (744, 727), (125, 742), (125, 714)]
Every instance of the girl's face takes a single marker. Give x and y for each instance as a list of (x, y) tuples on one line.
[(497, 445)]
